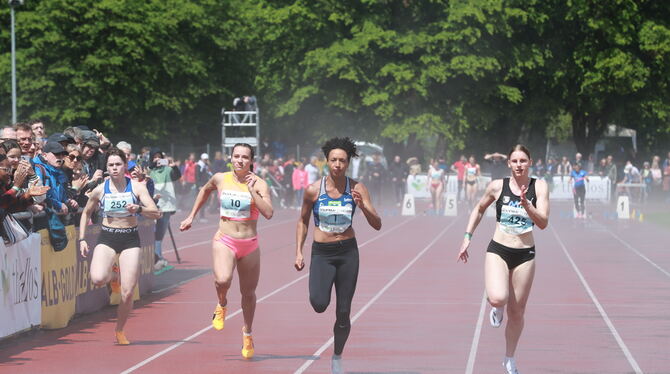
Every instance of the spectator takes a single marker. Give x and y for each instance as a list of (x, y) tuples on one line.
[(398, 173), (289, 167), (564, 168), (8, 133), (38, 129), (376, 175), (539, 169), (61, 138), (164, 174), (458, 167), (202, 175), (24, 135), (74, 133), (498, 165), (578, 160), (77, 179), (48, 168), (312, 170), (219, 164), (611, 174), (126, 148), (602, 167), (657, 176), (300, 179)]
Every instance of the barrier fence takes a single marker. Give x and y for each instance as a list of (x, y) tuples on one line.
[(43, 287)]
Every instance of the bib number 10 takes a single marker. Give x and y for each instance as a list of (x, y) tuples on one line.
[(235, 203)]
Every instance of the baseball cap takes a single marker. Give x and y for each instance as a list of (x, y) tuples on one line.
[(204, 156), (89, 138), (58, 137), (53, 147)]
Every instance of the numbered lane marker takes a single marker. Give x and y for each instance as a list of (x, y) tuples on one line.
[(450, 205), (623, 207), (408, 208)]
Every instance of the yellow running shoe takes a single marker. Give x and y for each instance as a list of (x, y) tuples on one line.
[(219, 317), (247, 345), (115, 283), (121, 338)]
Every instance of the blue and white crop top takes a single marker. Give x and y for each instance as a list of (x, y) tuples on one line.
[(334, 215), (113, 204)]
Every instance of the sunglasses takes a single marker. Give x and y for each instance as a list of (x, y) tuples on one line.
[(74, 157)]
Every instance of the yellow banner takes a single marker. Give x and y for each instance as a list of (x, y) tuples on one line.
[(59, 281)]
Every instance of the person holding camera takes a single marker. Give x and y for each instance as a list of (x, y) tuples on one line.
[(164, 174)]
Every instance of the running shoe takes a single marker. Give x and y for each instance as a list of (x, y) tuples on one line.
[(121, 338), (247, 345), (115, 283), (219, 317), (510, 366), (496, 317), (336, 365)]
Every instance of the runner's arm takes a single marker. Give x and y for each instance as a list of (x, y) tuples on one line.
[(539, 214), (364, 202), (203, 195), (480, 209), (262, 198), (93, 202), (303, 223), (148, 206)]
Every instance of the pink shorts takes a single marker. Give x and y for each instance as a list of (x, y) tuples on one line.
[(240, 247)]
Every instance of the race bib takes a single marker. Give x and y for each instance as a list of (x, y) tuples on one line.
[(235, 204), (334, 217), (116, 204), (515, 220)]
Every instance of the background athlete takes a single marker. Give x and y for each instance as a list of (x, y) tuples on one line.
[(333, 200), (521, 203), (242, 195), (121, 201)]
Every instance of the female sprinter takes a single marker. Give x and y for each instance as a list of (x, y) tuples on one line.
[(521, 203), (436, 185), (333, 200), (121, 201), (472, 172), (242, 196)]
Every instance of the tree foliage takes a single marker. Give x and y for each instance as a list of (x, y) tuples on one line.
[(426, 76)]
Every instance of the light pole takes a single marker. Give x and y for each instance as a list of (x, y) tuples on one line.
[(13, 4)]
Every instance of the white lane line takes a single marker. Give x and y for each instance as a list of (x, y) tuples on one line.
[(475, 340), (402, 271), (195, 335), (600, 308), (652, 263), (210, 240)]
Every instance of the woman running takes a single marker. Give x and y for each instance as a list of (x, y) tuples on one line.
[(521, 203), (472, 172), (578, 175), (121, 200), (242, 196), (334, 260), (436, 185)]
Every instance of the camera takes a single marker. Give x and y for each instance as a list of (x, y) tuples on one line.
[(162, 162)]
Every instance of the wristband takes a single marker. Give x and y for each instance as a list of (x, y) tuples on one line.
[(468, 235), (81, 240), (15, 188)]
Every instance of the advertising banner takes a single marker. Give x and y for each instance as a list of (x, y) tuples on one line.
[(20, 287), (59, 280)]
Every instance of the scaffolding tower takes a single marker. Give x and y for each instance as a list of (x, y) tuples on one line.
[(240, 127)]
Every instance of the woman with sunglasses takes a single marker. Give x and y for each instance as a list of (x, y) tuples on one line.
[(73, 168)]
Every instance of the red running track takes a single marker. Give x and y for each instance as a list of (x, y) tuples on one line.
[(599, 305)]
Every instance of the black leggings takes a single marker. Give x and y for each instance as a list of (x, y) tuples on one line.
[(579, 194), (334, 263)]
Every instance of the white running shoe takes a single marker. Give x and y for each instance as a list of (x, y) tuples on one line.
[(336, 365), (510, 366), (496, 317)]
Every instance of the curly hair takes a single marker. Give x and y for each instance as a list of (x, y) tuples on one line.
[(345, 144)]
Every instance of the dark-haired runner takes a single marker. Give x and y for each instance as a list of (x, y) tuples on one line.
[(243, 195), (334, 260), (121, 201), (521, 203)]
